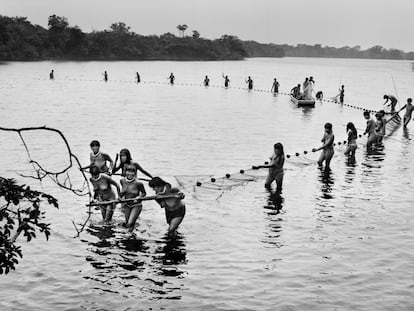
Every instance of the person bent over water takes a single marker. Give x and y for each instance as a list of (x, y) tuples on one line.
[(370, 129), (131, 188), (352, 137), (393, 102), (327, 146), (277, 160), (174, 207), (103, 192)]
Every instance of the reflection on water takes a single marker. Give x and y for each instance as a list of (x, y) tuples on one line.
[(273, 210), (121, 260), (327, 181)]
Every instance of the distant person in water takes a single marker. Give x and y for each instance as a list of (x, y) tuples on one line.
[(206, 81), (103, 192), (249, 82), (174, 207), (370, 129), (408, 111), (138, 78), (277, 160), (172, 78), (393, 102), (352, 134), (99, 159), (52, 75), (319, 95), (131, 188), (226, 81), (106, 76), (327, 146), (275, 86), (341, 95)]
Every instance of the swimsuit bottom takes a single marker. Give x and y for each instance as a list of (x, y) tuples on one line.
[(179, 212)]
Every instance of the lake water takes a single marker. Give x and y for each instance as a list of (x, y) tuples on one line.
[(332, 241)]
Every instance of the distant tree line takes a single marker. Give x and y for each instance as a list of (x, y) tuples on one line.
[(21, 40)]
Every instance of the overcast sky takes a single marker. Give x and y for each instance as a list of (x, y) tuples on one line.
[(389, 23)]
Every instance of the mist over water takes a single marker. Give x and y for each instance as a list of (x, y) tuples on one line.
[(340, 239)]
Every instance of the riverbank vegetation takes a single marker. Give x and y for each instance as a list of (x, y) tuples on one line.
[(21, 40)]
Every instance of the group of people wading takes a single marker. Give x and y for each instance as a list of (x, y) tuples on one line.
[(375, 130), (131, 189)]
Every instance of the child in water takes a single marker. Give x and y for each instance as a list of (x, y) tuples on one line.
[(131, 188), (103, 192), (126, 159), (352, 137), (174, 207), (327, 146), (99, 159), (277, 160)]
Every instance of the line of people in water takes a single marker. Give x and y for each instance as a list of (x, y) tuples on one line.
[(206, 81), (375, 132), (102, 167)]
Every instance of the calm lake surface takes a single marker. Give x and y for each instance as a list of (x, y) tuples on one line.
[(332, 241)]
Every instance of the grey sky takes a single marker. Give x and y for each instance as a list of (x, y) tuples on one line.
[(388, 23)]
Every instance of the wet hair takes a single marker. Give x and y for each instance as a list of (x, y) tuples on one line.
[(328, 125), (279, 147), (385, 96), (382, 112), (127, 153), (94, 170), (366, 113), (130, 167), (95, 143), (409, 100), (351, 127), (157, 182)]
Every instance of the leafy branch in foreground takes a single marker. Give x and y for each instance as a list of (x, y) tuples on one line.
[(20, 212)]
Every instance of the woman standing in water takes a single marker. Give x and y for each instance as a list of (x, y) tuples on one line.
[(277, 160), (352, 137), (327, 146)]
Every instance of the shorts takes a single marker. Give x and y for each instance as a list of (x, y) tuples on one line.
[(170, 215)]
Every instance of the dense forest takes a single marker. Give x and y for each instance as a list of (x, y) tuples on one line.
[(21, 40)]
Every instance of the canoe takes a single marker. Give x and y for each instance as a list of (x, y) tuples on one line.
[(303, 102)]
